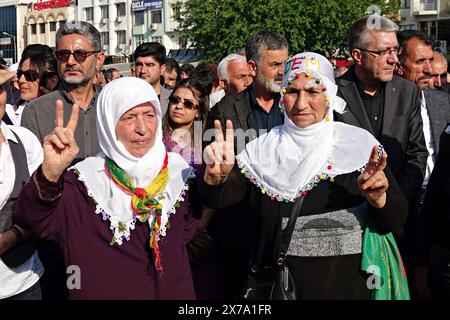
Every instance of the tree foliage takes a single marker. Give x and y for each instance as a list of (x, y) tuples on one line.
[(222, 26)]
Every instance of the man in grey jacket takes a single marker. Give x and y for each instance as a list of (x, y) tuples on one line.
[(78, 51)]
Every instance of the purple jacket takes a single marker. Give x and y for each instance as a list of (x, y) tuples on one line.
[(106, 272)]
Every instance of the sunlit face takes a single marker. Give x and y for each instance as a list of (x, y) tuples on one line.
[(417, 64), (438, 75), (148, 69), (305, 102), (238, 76), (378, 68), (78, 73), (178, 113), (136, 129), (170, 78), (29, 90), (268, 72)]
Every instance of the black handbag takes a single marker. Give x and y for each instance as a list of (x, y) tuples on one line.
[(275, 283)]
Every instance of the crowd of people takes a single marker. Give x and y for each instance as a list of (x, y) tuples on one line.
[(187, 182)]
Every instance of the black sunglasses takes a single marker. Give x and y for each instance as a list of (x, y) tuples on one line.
[(30, 75), (187, 104), (79, 55)]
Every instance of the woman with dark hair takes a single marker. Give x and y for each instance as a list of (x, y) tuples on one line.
[(182, 131), (36, 75), (188, 103)]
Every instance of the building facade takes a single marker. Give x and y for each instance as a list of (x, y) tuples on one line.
[(12, 25), (44, 17), (431, 17), (125, 24)]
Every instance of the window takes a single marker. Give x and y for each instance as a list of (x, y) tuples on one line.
[(424, 27), (139, 18), (176, 7), (405, 4), (120, 9), (42, 27), (408, 27), (89, 14), (53, 26), (105, 12), (156, 16), (121, 37), (62, 22), (33, 29), (433, 30), (105, 38), (157, 39), (138, 39)]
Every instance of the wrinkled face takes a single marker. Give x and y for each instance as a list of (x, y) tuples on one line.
[(269, 71), (29, 89), (417, 64), (99, 78), (438, 75), (305, 102), (239, 76), (148, 69), (73, 72), (379, 68), (179, 114), (136, 129), (115, 75), (170, 78)]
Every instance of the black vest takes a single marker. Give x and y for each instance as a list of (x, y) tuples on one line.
[(24, 250)]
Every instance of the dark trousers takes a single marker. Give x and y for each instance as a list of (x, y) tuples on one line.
[(407, 240), (235, 267), (440, 273), (53, 281)]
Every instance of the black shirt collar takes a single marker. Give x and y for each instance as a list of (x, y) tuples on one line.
[(255, 104)]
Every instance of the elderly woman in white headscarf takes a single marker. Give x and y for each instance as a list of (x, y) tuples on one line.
[(120, 216), (329, 175)]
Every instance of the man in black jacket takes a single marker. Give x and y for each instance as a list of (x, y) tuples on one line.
[(253, 112), (383, 103), (433, 246)]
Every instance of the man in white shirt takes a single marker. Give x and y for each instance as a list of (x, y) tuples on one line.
[(415, 59), (20, 155)]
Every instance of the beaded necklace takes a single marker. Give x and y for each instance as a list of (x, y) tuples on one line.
[(143, 200)]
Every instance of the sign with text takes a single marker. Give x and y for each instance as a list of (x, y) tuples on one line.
[(52, 4), (5, 41), (140, 5)]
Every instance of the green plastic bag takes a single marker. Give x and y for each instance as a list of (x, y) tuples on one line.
[(381, 258)]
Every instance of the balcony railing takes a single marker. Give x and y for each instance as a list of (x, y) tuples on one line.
[(425, 7)]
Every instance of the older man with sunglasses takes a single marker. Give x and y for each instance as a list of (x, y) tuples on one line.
[(79, 57)]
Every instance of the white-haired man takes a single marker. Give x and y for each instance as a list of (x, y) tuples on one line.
[(234, 74)]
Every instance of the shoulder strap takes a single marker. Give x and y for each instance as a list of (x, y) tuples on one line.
[(6, 119), (289, 229)]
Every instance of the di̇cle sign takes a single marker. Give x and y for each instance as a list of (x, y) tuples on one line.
[(52, 4), (140, 5)]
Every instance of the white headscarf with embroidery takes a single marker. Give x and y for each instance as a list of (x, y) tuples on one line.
[(290, 160), (116, 98)]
